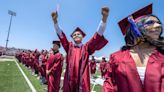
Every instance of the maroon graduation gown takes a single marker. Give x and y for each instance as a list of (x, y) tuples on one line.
[(33, 62), (103, 68), (40, 64), (54, 63), (77, 77), (123, 75), (36, 63), (92, 66), (30, 61), (43, 66), (23, 58)]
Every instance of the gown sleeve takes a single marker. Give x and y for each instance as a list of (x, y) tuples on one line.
[(97, 41), (62, 37), (109, 84)]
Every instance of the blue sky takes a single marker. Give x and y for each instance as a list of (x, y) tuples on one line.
[(33, 27)]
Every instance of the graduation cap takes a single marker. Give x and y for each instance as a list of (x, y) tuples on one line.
[(103, 57), (124, 23), (56, 42), (79, 30), (36, 50)]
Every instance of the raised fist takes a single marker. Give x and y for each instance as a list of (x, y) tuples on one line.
[(105, 13), (54, 16)]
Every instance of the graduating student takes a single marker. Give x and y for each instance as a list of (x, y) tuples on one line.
[(92, 65), (54, 68), (77, 77), (103, 69), (42, 66), (36, 61), (139, 65)]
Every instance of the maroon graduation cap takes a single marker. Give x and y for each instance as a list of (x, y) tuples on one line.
[(56, 42), (103, 57), (124, 24), (35, 50), (79, 30)]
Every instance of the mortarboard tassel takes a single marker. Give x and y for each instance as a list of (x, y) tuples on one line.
[(134, 27), (136, 33)]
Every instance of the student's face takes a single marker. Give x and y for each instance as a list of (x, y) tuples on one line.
[(77, 37), (152, 27), (93, 58), (51, 51), (45, 52), (55, 47), (103, 59)]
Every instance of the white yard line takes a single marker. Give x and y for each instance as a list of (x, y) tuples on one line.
[(26, 78), (6, 60)]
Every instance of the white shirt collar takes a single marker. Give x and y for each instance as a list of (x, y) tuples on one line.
[(79, 45)]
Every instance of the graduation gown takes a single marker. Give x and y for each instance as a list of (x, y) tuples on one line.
[(77, 77), (92, 66), (54, 64), (103, 68), (36, 63), (43, 66), (23, 58), (123, 75), (33, 62), (41, 57)]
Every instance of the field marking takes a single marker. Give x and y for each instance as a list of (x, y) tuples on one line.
[(6, 60), (24, 75)]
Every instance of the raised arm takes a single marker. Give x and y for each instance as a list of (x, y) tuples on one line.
[(102, 25), (57, 27), (98, 41), (59, 32)]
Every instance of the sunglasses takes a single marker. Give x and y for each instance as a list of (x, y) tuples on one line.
[(151, 22), (145, 21)]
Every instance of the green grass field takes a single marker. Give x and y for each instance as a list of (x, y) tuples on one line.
[(38, 86), (11, 79)]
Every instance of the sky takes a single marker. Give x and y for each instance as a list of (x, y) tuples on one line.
[(32, 27)]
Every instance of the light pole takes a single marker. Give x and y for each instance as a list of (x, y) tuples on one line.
[(12, 14)]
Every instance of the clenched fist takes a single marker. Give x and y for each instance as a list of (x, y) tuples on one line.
[(105, 13), (54, 16)]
